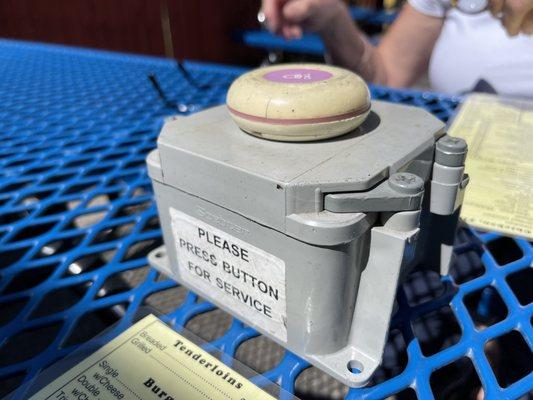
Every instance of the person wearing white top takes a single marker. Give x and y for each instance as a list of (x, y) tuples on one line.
[(458, 50)]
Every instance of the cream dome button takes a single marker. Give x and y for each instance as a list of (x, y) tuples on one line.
[(298, 102)]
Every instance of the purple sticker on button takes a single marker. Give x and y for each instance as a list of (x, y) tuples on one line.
[(297, 75)]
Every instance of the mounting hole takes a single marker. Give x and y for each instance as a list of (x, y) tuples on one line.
[(159, 254), (355, 367)]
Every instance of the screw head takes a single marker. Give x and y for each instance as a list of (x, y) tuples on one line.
[(405, 182), (450, 144)]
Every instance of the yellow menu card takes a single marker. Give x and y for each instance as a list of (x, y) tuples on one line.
[(499, 133), (151, 361)]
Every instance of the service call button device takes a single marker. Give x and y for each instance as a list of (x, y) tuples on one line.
[(299, 206), (298, 103)]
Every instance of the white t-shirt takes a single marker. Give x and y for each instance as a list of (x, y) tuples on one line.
[(475, 47)]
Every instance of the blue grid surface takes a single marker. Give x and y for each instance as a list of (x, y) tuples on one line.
[(372, 17), (77, 215), (262, 39)]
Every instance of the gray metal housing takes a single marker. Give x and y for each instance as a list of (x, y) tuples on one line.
[(349, 217)]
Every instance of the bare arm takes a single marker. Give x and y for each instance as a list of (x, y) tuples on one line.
[(401, 57)]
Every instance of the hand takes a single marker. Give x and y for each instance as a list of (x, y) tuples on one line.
[(291, 17), (516, 15)]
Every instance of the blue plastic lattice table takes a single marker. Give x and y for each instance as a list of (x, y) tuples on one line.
[(76, 211)]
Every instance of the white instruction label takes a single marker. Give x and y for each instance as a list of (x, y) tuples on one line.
[(248, 280)]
